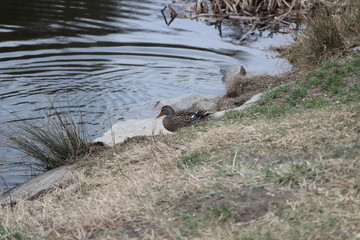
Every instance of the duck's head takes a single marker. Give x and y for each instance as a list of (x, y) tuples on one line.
[(166, 111)]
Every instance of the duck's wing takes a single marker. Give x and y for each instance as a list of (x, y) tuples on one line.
[(178, 120), (182, 119)]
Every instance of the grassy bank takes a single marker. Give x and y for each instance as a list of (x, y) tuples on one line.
[(286, 168)]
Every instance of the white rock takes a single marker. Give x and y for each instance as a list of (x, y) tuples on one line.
[(131, 128)]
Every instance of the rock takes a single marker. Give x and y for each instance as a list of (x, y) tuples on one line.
[(231, 72), (185, 101), (37, 185), (131, 128), (209, 104)]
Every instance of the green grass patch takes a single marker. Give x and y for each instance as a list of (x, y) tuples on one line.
[(329, 78), (354, 65), (190, 159), (233, 115), (329, 64), (10, 234), (349, 94), (299, 92), (314, 102), (272, 110), (291, 174), (275, 93), (335, 81)]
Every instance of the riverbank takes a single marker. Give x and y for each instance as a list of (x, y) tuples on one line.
[(285, 168)]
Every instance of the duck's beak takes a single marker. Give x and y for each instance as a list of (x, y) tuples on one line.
[(160, 115)]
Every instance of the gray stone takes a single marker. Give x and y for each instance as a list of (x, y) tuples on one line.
[(131, 128), (231, 72), (209, 104), (184, 101), (37, 185)]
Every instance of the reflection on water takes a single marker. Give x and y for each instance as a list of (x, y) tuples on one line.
[(113, 58)]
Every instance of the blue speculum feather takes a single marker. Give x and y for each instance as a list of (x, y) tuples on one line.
[(196, 116)]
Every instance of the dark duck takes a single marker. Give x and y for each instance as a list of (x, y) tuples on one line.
[(175, 120)]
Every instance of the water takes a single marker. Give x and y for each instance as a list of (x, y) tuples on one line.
[(112, 58)]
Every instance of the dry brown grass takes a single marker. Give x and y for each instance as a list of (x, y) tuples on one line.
[(332, 30), (248, 10), (141, 190)]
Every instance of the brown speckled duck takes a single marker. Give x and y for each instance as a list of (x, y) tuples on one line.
[(175, 120)]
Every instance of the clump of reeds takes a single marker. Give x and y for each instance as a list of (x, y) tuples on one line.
[(264, 10), (252, 15), (332, 27), (55, 139)]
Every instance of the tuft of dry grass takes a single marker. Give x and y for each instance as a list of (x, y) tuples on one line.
[(239, 89), (56, 139), (332, 29)]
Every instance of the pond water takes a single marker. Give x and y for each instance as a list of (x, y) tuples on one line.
[(112, 59)]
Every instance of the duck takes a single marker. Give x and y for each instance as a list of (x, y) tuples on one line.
[(176, 120)]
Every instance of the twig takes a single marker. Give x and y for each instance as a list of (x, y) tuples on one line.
[(229, 6), (249, 32), (287, 13), (173, 14), (245, 18), (219, 6), (234, 160)]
